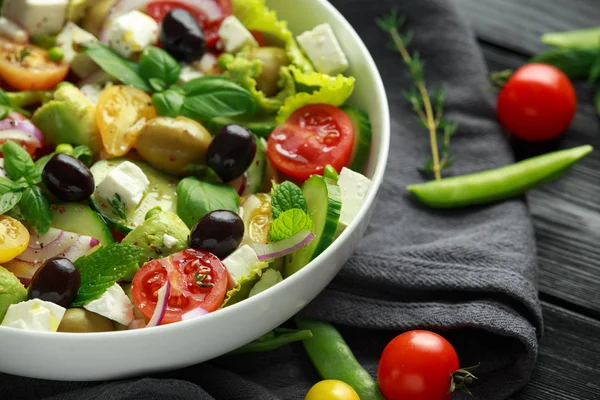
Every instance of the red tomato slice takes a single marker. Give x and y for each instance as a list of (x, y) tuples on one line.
[(187, 294), (313, 137), (158, 9)]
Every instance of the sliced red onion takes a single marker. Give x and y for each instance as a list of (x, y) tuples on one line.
[(137, 324), (209, 8), (197, 312), (284, 247), (161, 305), (19, 129), (239, 184)]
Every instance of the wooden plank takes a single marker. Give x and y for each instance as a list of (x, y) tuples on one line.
[(568, 366), (518, 24)]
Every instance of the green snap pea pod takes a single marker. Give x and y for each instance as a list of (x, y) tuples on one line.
[(273, 340), (333, 359), (498, 184)]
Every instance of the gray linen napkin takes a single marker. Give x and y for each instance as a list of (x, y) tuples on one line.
[(469, 274)]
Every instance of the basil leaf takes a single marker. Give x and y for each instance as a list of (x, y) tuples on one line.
[(157, 84), (202, 172), (115, 65), (575, 63), (17, 161), (35, 209), (83, 154), (4, 99), (41, 163), (157, 63), (168, 103), (5, 111), (597, 100), (8, 201), (7, 186), (289, 223), (209, 97), (287, 196), (195, 199)]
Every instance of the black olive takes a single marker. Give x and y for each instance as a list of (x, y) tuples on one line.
[(231, 152), (68, 178), (182, 37), (57, 281), (218, 232)]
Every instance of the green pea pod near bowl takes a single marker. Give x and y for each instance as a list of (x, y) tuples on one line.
[(498, 184)]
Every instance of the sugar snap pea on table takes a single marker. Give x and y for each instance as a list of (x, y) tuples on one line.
[(333, 359), (498, 184)]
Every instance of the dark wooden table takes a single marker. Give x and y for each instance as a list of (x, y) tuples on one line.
[(567, 212)]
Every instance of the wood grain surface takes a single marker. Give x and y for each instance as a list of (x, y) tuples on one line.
[(567, 212)]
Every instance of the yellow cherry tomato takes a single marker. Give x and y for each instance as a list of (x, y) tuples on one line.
[(14, 238), (121, 114), (331, 390), (257, 218)]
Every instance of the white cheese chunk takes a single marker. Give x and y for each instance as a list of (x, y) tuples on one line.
[(354, 188), (169, 241), (37, 17), (189, 73), (92, 92), (323, 49), (128, 181), (113, 304), (235, 36), (239, 264), (34, 315), (3, 173), (69, 40), (12, 31), (132, 32)]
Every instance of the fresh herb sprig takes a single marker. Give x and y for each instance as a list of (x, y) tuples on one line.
[(22, 190), (118, 206), (427, 104), (158, 72)]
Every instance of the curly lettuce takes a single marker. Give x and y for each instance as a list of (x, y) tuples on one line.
[(314, 87), (255, 15), (245, 285)]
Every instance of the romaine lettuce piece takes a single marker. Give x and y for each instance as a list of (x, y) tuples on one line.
[(245, 285)]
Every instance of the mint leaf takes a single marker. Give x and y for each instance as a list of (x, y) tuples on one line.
[(195, 199), (287, 196), (101, 269), (158, 65), (35, 209), (17, 161), (289, 223), (8, 201)]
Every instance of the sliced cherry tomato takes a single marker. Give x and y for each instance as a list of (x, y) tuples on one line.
[(198, 279), (14, 238), (121, 114), (210, 26), (260, 38), (313, 137), (537, 103), (417, 365), (28, 67), (331, 389)]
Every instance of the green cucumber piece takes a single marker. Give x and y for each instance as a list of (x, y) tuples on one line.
[(324, 203), (161, 193), (261, 126), (255, 174), (363, 134), (80, 219)]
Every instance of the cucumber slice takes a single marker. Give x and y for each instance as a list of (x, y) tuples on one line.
[(255, 175), (324, 201), (261, 126), (80, 219), (362, 137), (161, 193)]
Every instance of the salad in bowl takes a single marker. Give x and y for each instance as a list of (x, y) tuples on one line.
[(164, 160)]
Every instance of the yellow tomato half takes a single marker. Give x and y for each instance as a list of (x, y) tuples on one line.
[(257, 218), (14, 238), (331, 390), (121, 114)]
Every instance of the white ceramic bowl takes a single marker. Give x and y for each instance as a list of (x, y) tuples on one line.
[(111, 355)]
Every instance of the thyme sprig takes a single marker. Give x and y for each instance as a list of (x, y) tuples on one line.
[(428, 105), (199, 279), (118, 206)]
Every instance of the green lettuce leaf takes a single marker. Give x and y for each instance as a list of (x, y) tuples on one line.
[(255, 15), (315, 88), (245, 285)]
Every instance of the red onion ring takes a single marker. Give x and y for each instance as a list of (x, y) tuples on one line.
[(161, 305), (284, 247)]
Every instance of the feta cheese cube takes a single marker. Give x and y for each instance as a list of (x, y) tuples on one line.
[(3, 173), (235, 36), (132, 32), (92, 92), (113, 304), (169, 241), (68, 40), (354, 188), (128, 181), (240, 263), (323, 49), (38, 17), (189, 73), (12, 31), (34, 315)]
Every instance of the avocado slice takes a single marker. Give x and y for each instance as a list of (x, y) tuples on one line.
[(11, 291), (69, 118)]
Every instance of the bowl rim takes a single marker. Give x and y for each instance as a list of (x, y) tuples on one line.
[(376, 182)]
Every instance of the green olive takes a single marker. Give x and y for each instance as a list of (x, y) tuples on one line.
[(95, 16), (272, 59), (172, 144), (80, 320)]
